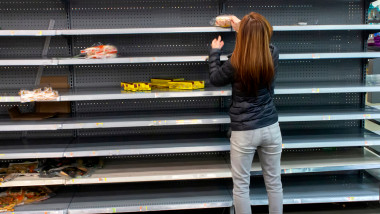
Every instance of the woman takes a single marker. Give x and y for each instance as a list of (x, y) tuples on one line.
[(251, 69)]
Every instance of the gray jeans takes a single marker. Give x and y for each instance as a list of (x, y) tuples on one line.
[(268, 143)]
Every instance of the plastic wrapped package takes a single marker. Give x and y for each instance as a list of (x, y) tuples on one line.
[(374, 42), (46, 94), (374, 12), (137, 86), (163, 83), (222, 21), (99, 51), (187, 85), (16, 196)]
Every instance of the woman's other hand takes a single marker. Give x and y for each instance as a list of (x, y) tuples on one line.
[(217, 43), (235, 23)]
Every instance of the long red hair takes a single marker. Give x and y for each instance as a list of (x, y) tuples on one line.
[(252, 58)]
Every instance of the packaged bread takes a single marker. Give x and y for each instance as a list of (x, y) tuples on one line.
[(222, 21), (163, 83), (144, 86), (187, 85), (130, 87)]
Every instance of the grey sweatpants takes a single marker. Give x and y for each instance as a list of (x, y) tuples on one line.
[(268, 143)]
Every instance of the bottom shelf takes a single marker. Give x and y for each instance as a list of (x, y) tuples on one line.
[(320, 189), (157, 196)]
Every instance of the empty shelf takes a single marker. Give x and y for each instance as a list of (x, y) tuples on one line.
[(320, 189), (149, 197), (33, 148), (325, 160), (348, 55), (157, 169), (143, 120), (58, 204), (85, 147), (320, 138)]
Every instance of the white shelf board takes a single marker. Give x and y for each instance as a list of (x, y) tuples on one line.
[(143, 120), (170, 59), (106, 146), (209, 29), (320, 189), (33, 181)]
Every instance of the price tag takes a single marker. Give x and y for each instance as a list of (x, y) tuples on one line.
[(367, 116), (146, 208), (298, 201), (350, 198), (71, 154), (114, 210), (40, 33), (99, 124), (102, 179), (93, 153), (283, 146), (12, 33), (315, 56), (72, 180), (315, 90), (204, 205), (326, 117), (182, 122), (140, 208)]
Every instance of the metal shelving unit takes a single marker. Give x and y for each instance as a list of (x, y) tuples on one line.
[(180, 152)]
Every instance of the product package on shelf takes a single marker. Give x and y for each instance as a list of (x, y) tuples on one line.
[(14, 170), (46, 94), (187, 85), (99, 51), (137, 86), (374, 42), (163, 83), (69, 168), (222, 21), (374, 12), (16, 196)]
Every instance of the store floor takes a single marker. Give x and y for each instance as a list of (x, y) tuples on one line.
[(338, 208)]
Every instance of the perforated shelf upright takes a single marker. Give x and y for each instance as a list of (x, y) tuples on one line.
[(168, 150)]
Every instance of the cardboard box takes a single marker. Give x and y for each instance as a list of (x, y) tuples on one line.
[(44, 110)]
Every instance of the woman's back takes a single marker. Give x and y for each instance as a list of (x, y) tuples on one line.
[(247, 111)]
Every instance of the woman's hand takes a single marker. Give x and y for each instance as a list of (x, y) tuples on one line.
[(235, 23), (217, 43)]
